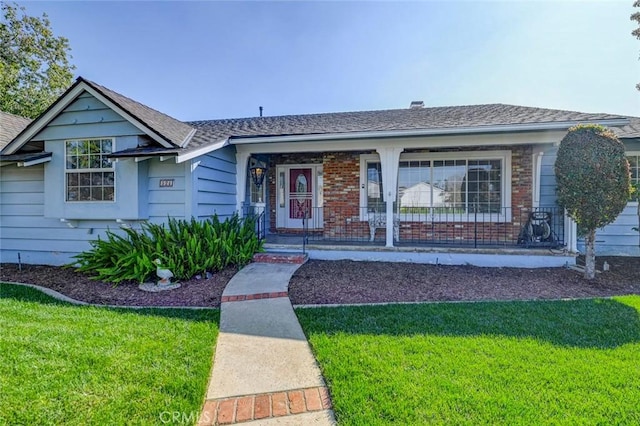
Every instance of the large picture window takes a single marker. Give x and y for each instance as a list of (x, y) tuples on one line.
[(444, 184), (89, 173), (450, 186)]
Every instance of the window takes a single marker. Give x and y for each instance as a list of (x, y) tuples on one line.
[(634, 168), (443, 183), (257, 193), (450, 186), (90, 174), (374, 187)]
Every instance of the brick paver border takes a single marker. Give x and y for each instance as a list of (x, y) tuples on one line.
[(255, 296), (264, 405)]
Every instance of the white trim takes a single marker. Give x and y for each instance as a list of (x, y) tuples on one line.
[(474, 155), (364, 159), (629, 154), (191, 188), (389, 163), (186, 140), (506, 185), (537, 178), (35, 127), (147, 130), (71, 223), (111, 169), (561, 125), (431, 142), (34, 162), (62, 103), (282, 218), (141, 159), (242, 170), (200, 151), (262, 189)]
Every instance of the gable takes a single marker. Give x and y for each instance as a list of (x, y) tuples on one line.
[(86, 117), (164, 130)]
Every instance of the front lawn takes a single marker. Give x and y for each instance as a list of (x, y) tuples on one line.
[(65, 364), (558, 362)]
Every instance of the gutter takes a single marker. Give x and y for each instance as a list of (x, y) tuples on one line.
[(502, 128)]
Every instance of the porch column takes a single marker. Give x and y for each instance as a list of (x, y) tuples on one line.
[(242, 169), (570, 233), (389, 159), (537, 177)]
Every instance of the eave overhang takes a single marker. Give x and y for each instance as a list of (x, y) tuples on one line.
[(25, 159), (71, 95), (444, 131)]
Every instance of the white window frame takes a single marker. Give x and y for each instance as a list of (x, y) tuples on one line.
[(364, 159), (506, 187), (68, 171), (632, 154), (252, 185)]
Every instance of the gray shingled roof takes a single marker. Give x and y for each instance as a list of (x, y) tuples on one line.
[(10, 126), (630, 131), (386, 120), (173, 131), (189, 136)]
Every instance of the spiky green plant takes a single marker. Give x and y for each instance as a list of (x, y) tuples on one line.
[(186, 247)]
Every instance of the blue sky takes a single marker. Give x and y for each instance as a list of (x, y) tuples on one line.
[(206, 60)]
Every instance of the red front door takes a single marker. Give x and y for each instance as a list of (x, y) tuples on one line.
[(300, 193)]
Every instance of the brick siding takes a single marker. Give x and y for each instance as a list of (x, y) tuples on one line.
[(341, 217)]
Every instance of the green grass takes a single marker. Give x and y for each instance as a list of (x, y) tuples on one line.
[(547, 362), (65, 364)]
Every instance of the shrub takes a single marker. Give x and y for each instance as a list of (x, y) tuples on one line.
[(186, 247), (593, 181)]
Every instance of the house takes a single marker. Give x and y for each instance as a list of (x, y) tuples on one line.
[(459, 182), (10, 126)]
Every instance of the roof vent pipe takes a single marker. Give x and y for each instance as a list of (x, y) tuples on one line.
[(416, 105), (260, 108)]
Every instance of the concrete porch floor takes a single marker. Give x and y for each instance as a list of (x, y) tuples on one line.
[(486, 255)]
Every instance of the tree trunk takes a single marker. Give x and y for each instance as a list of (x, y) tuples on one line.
[(590, 256)]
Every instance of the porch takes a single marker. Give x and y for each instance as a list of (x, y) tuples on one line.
[(506, 238)]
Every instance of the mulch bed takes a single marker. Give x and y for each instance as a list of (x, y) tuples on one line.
[(203, 292), (318, 282), (329, 282)]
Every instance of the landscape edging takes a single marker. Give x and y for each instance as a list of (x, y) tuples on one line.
[(61, 297)]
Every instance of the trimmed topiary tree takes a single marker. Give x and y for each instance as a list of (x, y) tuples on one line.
[(593, 180)]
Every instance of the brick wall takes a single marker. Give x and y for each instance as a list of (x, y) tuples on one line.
[(341, 171), (486, 231), (342, 196)]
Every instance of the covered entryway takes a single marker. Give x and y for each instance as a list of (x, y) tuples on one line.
[(298, 195)]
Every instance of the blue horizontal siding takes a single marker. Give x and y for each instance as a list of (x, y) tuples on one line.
[(25, 230), (166, 201), (215, 184), (618, 238), (87, 117)]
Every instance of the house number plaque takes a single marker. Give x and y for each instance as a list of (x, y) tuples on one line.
[(166, 183)]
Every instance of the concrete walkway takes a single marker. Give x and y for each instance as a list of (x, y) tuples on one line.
[(263, 370)]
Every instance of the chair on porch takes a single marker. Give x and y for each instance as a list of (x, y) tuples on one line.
[(379, 220)]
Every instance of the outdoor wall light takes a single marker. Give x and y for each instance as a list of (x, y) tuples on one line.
[(258, 170)]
